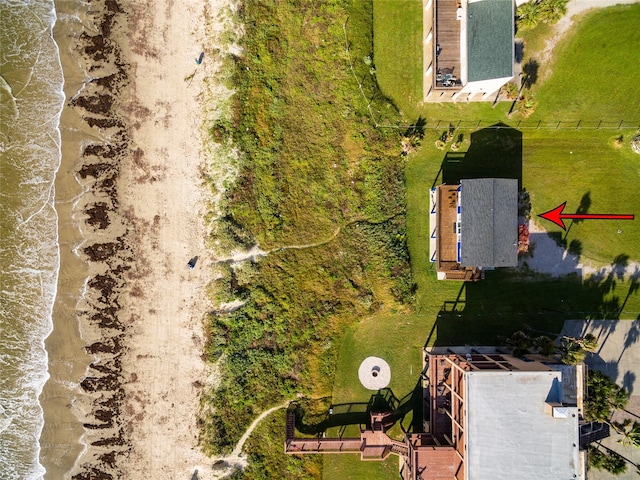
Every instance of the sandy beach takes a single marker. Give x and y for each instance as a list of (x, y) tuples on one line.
[(163, 197), (126, 377)]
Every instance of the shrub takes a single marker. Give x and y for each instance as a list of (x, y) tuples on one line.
[(603, 397), (609, 461)]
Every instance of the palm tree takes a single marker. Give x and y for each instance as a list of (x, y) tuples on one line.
[(574, 350), (545, 345), (552, 10), (520, 343), (526, 104), (511, 90), (603, 396), (528, 15), (589, 342), (630, 431)]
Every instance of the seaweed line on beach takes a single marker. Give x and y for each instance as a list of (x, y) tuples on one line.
[(107, 247)]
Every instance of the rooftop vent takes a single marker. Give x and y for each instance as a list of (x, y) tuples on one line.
[(557, 410)]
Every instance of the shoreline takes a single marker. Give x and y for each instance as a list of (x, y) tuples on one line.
[(79, 406), (126, 354)]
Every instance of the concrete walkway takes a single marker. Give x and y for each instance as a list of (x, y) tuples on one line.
[(548, 257)]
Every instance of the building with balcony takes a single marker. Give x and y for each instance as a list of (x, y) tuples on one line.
[(474, 227), (469, 48), (486, 414), (505, 417)]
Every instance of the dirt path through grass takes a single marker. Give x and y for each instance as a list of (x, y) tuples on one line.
[(574, 7), (235, 460), (255, 251)]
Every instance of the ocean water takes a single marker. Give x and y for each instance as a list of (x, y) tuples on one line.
[(31, 100)]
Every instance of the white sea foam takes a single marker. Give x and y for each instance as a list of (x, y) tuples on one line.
[(29, 254)]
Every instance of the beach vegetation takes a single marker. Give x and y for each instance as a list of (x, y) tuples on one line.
[(334, 206), (320, 191)]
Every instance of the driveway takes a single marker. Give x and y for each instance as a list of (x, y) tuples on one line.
[(618, 356)]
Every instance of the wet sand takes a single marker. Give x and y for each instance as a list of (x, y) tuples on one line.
[(126, 354)]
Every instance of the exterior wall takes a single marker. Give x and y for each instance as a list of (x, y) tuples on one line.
[(485, 86), (428, 39), (464, 57)]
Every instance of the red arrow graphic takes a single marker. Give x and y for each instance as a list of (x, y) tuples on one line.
[(556, 216)]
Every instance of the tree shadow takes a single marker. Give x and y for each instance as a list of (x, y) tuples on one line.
[(359, 413), (493, 152), (634, 287), (417, 129), (508, 300), (582, 209), (530, 73), (617, 355), (628, 381)]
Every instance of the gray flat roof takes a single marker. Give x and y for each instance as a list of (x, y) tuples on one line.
[(510, 435), (489, 222), (490, 47)]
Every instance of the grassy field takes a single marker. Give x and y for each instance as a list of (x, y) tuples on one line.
[(592, 77), (592, 168), (397, 47), (322, 190)]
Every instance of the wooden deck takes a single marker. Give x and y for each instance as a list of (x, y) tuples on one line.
[(447, 217), (447, 239), (447, 385), (448, 39)]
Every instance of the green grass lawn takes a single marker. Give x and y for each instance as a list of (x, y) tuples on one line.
[(572, 166), (593, 75), (397, 47), (588, 166)]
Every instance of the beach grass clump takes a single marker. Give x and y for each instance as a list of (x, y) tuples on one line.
[(320, 190)]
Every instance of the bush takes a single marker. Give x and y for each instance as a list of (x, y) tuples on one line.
[(603, 397), (609, 461)]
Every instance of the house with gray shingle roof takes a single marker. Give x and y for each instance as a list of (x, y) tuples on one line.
[(474, 227), (469, 48)]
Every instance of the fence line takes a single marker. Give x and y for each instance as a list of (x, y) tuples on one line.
[(522, 125), (484, 124)]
